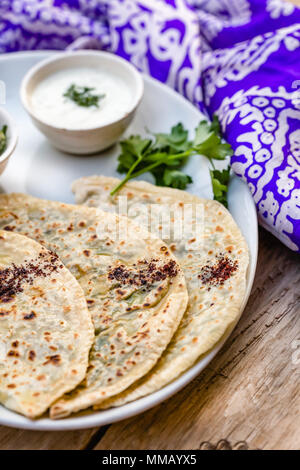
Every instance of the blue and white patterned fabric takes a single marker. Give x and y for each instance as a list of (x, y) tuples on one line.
[(238, 58)]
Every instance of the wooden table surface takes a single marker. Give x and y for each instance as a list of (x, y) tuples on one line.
[(249, 395), (247, 398)]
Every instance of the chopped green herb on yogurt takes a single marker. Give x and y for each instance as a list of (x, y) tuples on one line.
[(3, 139), (82, 95)]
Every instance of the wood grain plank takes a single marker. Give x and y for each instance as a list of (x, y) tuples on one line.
[(19, 439), (295, 2), (250, 392)]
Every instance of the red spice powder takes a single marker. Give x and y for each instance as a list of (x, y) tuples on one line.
[(13, 278), (217, 274), (145, 275)]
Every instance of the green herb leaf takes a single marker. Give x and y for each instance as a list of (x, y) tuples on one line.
[(215, 125), (82, 96), (164, 156), (220, 181), (176, 179), (202, 133), (208, 142), (135, 145), (176, 141), (133, 149), (3, 139)]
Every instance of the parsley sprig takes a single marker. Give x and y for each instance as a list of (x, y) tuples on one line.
[(165, 154), (3, 138), (82, 96)]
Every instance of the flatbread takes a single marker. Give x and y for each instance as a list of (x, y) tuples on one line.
[(45, 327), (134, 288), (213, 255)]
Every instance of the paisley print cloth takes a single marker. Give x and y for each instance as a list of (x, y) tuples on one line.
[(239, 58)]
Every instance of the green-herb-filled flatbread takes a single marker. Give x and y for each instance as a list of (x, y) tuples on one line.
[(133, 285), (213, 255), (45, 328)]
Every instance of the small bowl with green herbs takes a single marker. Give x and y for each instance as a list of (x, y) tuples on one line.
[(82, 101), (8, 138)]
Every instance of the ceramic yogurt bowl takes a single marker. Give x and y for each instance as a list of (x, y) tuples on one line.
[(57, 94)]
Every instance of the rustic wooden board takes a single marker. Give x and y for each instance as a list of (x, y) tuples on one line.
[(18, 439), (248, 397), (250, 392)]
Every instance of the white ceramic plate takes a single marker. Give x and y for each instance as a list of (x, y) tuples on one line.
[(40, 170)]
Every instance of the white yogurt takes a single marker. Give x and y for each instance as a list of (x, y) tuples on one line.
[(49, 104)]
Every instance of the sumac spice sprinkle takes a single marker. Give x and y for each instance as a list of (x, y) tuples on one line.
[(13, 278), (217, 274), (30, 316), (146, 274)]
